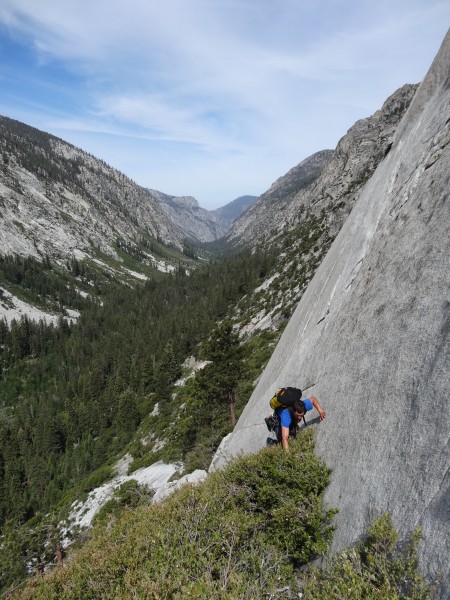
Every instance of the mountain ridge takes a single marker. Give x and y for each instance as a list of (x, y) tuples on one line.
[(48, 181), (331, 179), (200, 224)]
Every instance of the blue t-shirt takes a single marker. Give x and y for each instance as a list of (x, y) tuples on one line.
[(285, 413)]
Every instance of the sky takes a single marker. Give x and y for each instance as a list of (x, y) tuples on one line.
[(214, 99)]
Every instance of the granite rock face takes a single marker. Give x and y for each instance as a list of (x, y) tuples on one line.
[(370, 338)]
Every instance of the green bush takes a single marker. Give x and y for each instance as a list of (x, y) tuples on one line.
[(287, 492), (237, 535), (96, 479), (377, 569), (242, 533)]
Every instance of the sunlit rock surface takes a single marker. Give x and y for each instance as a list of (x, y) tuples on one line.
[(370, 338)]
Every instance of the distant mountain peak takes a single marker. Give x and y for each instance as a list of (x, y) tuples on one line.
[(200, 224), (187, 202)]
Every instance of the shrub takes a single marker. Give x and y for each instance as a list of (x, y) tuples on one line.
[(377, 569), (96, 479), (287, 493), (237, 535)]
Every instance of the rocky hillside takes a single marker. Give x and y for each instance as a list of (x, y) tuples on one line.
[(61, 202), (300, 215), (370, 337), (199, 224), (267, 214), (328, 180)]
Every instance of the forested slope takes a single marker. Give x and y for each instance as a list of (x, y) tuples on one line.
[(73, 396)]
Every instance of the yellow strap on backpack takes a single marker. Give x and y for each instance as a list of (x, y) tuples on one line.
[(275, 402)]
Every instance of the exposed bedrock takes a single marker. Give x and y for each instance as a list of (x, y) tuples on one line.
[(370, 338)]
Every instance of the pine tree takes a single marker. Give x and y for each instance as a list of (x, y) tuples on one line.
[(127, 418), (219, 379)]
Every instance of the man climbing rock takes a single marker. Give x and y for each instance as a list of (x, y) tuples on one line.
[(288, 418)]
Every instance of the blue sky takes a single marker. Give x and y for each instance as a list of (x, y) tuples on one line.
[(209, 98)]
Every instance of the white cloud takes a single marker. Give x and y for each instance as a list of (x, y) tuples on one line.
[(248, 83)]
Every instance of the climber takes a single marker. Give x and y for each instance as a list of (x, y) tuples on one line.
[(288, 418)]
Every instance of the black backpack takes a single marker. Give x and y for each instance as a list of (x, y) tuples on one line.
[(285, 397)]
